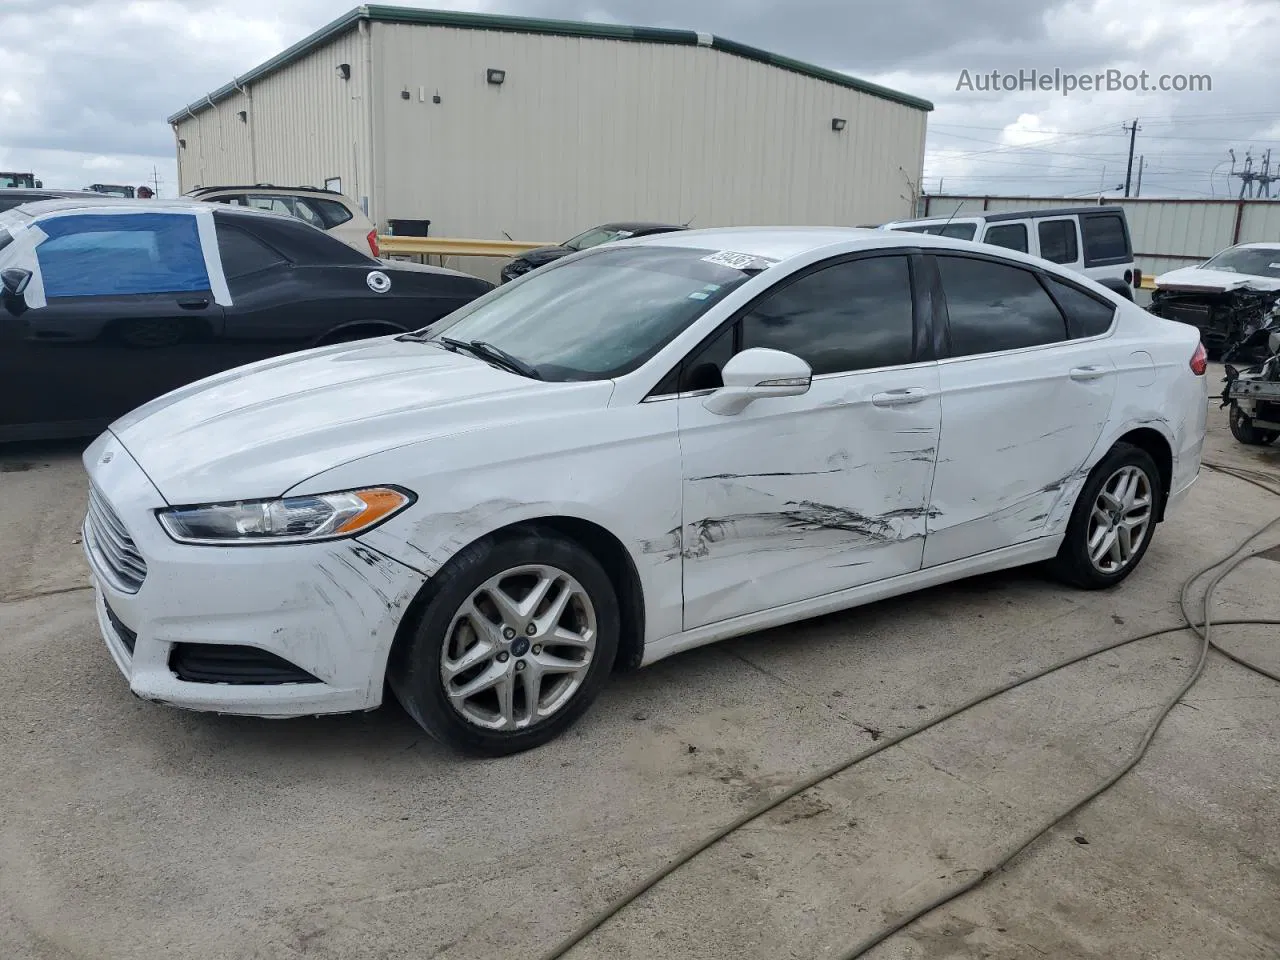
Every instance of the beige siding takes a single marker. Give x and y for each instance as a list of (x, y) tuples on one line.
[(305, 124), (586, 130)]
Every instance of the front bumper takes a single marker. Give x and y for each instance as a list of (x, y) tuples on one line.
[(330, 610)]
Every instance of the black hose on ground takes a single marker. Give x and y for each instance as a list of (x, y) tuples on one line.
[(1202, 628)]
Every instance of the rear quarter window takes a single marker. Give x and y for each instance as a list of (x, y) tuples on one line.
[(333, 213), (1086, 315)]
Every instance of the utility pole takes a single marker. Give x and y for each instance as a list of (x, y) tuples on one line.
[(155, 180), (1132, 130), (1142, 160)]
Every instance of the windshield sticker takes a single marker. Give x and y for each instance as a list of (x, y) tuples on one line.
[(737, 261), (699, 295)]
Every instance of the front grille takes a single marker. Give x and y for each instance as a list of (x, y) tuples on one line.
[(233, 663), (110, 542), (128, 637)]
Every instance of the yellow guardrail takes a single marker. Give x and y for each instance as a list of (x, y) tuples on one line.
[(1148, 282), (452, 247)]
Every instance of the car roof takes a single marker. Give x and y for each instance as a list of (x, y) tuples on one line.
[(95, 201), (784, 243), (996, 217), (197, 191), (1257, 245), (44, 192)]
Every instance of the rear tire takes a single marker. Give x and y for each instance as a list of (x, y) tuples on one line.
[(489, 667), (1119, 502), (1242, 429)]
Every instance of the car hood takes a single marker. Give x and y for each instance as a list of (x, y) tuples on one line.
[(1221, 281), (258, 430)]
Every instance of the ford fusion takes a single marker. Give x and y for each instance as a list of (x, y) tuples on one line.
[(639, 449)]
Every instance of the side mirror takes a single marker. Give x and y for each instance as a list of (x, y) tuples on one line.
[(755, 374), (15, 280)]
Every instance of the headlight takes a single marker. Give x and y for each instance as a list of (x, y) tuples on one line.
[(324, 516)]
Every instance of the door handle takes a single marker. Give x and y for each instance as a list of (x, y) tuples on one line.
[(1092, 372), (195, 303), (899, 398)]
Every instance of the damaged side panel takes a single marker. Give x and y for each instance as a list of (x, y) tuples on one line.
[(1018, 431), (797, 497)]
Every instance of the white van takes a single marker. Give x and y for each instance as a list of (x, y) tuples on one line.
[(1092, 240)]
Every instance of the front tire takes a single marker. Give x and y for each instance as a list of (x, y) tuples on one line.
[(1243, 430), (517, 640), (1113, 520)]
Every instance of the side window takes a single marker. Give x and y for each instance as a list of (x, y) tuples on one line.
[(849, 316), (121, 254), (272, 204), (243, 254), (333, 213), (305, 211), (994, 306), (1105, 239), (232, 200), (701, 369), (1058, 241), (1011, 235), (1086, 317)]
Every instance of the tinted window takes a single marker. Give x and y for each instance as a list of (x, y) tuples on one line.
[(1011, 235), (331, 212), (850, 316), (92, 255), (1058, 241), (996, 307), (1104, 238), (273, 204), (1086, 317), (242, 254)]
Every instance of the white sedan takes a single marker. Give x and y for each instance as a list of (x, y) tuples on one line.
[(639, 449)]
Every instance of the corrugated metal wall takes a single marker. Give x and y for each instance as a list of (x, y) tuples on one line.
[(586, 130), (1167, 234), (306, 123)]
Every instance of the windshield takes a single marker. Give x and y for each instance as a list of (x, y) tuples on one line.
[(598, 316), (1255, 261), (595, 237), (956, 231)]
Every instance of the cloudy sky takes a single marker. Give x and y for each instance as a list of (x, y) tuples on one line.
[(87, 83)]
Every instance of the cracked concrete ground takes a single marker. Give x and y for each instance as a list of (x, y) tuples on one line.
[(129, 830)]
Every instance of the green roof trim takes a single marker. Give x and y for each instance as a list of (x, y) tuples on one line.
[(376, 13)]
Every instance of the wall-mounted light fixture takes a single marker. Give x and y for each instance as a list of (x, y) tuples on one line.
[(244, 116), (435, 97), (344, 71), (837, 123), (495, 76), (406, 95), (182, 144)]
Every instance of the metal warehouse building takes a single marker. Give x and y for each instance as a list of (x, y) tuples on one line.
[(488, 125)]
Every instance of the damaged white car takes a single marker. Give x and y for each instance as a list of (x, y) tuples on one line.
[(1228, 298), (638, 449)]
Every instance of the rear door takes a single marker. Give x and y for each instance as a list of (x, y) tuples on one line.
[(121, 311), (1024, 401)]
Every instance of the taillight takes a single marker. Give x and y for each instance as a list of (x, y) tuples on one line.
[(373, 242), (1199, 360)]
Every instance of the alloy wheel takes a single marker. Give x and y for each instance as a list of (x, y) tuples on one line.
[(518, 648), (1121, 519)]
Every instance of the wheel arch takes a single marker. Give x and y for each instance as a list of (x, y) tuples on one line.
[(1158, 447), (602, 544)]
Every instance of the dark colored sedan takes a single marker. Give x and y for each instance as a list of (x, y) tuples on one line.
[(107, 305), (605, 233)]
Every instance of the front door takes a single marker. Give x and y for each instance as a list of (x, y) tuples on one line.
[(1023, 405), (796, 497)]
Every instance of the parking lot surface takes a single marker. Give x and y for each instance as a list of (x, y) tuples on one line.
[(130, 830)]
